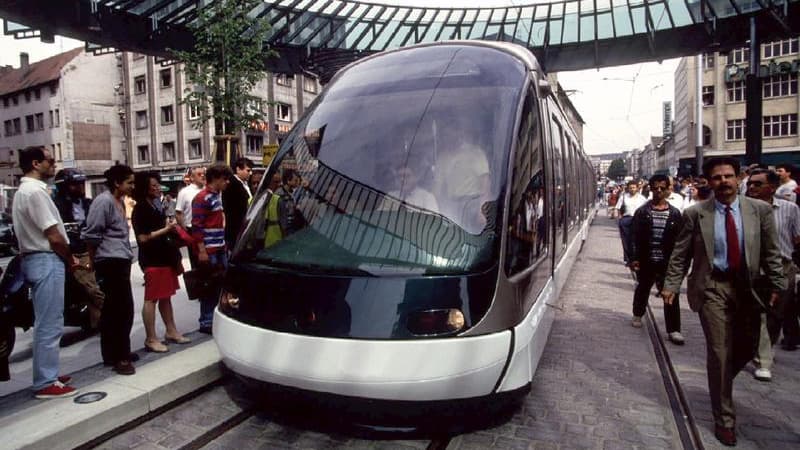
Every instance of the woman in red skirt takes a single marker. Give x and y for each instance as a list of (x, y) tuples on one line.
[(159, 259)]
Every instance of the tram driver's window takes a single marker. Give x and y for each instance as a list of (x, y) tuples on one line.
[(527, 230)]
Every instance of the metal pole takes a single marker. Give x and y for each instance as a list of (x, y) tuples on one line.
[(698, 147), (753, 98)]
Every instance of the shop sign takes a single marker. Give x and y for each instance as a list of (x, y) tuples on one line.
[(735, 73)]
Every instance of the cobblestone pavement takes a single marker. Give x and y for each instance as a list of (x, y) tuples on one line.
[(597, 385), (767, 414)]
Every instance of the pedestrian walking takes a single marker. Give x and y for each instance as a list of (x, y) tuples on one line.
[(108, 240), (655, 227), (788, 185), (727, 241), (46, 256), (627, 206), (160, 260), (208, 230), (762, 185)]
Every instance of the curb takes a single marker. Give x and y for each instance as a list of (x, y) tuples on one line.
[(64, 424)]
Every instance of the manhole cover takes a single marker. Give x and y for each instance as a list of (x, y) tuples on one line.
[(90, 397)]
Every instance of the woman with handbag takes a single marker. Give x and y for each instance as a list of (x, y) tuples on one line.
[(160, 260)]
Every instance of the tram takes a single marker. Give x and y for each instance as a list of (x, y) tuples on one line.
[(410, 238)]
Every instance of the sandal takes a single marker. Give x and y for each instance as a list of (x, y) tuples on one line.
[(156, 347), (177, 340)]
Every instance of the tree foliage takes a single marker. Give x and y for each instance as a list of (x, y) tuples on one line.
[(617, 169), (226, 63)]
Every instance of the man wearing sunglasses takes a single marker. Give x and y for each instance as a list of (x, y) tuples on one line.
[(45, 250), (762, 185), (655, 226)]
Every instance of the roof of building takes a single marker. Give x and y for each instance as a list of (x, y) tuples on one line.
[(37, 73)]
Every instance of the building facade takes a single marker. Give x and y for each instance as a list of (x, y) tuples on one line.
[(723, 98), (48, 103), (167, 135)]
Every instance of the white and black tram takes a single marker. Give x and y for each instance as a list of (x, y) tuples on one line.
[(444, 199)]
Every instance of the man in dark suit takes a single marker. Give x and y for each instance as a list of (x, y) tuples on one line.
[(236, 199), (727, 240)]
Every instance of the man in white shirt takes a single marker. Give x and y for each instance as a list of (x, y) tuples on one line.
[(45, 250), (762, 185), (183, 205), (627, 206), (788, 185)]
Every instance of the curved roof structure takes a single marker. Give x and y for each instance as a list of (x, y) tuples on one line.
[(323, 35)]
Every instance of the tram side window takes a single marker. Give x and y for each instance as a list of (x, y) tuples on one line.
[(559, 182), (527, 229)]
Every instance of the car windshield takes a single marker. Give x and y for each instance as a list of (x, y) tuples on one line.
[(398, 167)]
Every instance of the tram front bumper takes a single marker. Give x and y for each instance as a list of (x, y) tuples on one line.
[(410, 370)]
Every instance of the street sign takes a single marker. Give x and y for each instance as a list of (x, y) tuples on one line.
[(269, 152)]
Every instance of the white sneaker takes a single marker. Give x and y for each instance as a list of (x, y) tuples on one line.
[(676, 338), (763, 374), (636, 322)]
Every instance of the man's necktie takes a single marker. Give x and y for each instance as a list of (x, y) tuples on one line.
[(732, 239)]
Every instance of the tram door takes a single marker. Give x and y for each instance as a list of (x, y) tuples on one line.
[(527, 263)]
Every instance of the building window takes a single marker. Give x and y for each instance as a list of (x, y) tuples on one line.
[(37, 94), (15, 100), (739, 56), (29, 124), (735, 130), (168, 151), (708, 60), (56, 118), (27, 96), (284, 80), (254, 144), (736, 91), (782, 125), (706, 136), (9, 128), (780, 48), (17, 126), (59, 156), (5, 102), (166, 78), (708, 95), (309, 84), (39, 121), (143, 153), (194, 111), (139, 84), (780, 85), (167, 117), (195, 149), (53, 89), (283, 112), (141, 119)]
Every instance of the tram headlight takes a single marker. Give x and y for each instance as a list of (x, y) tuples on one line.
[(228, 301), (435, 321)]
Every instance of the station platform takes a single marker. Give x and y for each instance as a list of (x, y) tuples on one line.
[(598, 385)]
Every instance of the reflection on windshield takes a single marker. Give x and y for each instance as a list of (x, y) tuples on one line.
[(390, 174)]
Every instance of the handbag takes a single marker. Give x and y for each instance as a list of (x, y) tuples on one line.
[(202, 283)]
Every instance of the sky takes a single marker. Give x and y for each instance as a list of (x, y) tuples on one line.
[(622, 106)]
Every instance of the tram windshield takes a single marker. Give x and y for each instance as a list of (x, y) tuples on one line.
[(397, 168)]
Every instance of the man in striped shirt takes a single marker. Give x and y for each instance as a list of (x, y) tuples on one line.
[(762, 185), (208, 230)]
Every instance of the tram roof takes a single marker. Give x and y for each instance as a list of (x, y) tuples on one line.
[(324, 35)]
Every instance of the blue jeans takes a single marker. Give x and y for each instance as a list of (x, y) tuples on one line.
[(45, 272), (626, 233), (207, 304)]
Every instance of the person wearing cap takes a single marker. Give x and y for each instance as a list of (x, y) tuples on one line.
[(73, 206)]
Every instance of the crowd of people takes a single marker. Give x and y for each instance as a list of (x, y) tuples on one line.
[(65, 234), (737, 234)]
